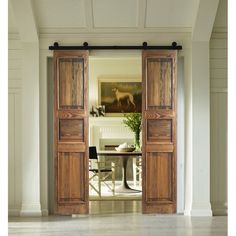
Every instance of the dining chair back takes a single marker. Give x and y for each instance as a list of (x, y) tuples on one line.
[(101, 173)]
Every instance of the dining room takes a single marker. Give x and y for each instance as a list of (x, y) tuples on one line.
[(112, 143)]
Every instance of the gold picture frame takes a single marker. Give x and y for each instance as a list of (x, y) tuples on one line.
[(120, 94)]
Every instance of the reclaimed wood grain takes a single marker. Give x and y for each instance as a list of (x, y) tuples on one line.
[(71, 132), (159, 131)]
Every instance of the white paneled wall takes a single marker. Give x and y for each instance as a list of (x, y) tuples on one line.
[(14, 126), (218, 66)]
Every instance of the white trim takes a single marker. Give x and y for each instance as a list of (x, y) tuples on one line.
[(201, 212), (44, 212), (219, 208), (33, 209), (117, 30), (199, 209), (14, 212), (219, 90), (13, 36), (220, 29)]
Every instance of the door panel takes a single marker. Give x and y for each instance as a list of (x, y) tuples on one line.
[(159, 83), (71, 129), (71, 132), (159, 163), (159, 131), (71, 180), (71, 82)]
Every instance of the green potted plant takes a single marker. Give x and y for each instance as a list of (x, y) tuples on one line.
[(133, 122)]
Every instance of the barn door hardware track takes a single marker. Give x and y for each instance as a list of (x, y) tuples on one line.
[(85, 46)]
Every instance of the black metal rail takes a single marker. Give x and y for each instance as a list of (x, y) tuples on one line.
[(85, 46)]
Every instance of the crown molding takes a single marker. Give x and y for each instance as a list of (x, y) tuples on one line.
[(72, 30)]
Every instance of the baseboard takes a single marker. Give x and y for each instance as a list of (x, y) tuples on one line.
[(14, 212), (44, 212), (33, 209), (219, 208), (199, 209), (17, 212)]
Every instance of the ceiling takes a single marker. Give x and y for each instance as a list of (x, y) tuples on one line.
[(114, 15)]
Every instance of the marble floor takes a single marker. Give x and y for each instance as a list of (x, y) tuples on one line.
[(106, 193), (121, 218)]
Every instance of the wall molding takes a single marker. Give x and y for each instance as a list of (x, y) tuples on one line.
[(199, 209), (102, 30), (44, 212), (219, 208), (14, 212), (220, 30), (13, 36), (219, 90), (17, 212), (218, 125), (31, 209)]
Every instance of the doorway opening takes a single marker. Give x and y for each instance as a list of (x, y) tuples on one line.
[(107, 131), (105, 141)]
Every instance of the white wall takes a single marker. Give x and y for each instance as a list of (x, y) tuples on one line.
[(218, 65), (14, 125), (218, 127), (218, 54), (112, 68), (218, 93)]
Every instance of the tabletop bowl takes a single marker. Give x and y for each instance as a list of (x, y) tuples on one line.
[(128, 149)]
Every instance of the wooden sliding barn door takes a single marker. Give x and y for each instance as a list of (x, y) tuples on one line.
[(71, 132), (159, 131)]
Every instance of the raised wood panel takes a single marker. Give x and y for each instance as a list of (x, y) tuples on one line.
[(159, 185), (159, 130), (159, 84), (71, 177), (71, 83), (71, 129)]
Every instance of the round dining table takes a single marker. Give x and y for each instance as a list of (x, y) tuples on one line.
[(124, 187)]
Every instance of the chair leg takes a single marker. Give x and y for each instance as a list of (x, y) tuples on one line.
[(99, 185), (134, 172), (140, 177), (113, 178)]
